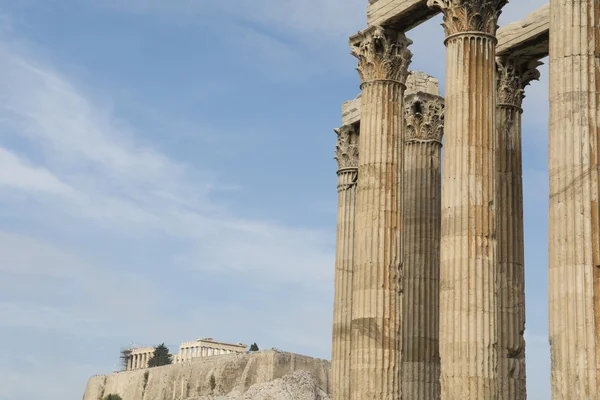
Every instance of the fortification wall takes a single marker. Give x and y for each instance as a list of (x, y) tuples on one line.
[(234, 375)]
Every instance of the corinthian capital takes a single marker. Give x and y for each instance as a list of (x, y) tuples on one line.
[(469, 15), (424, 115), (382, 54), (514, 74), (346, 149)]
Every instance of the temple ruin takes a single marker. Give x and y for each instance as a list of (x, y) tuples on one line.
[(429, 271), (138, 358)]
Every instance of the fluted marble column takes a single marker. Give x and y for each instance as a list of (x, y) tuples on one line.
[(574, 217), (424, 116), (468, 291), (513, 76), (347, 158), (376, 296)]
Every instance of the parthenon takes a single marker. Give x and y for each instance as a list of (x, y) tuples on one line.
[(429, 271), (206, 348)]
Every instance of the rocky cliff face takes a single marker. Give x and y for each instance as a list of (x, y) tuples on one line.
[(266, 375)]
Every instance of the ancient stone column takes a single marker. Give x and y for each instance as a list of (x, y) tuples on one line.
[(376, 296), (346, 154), (424, 116), (513, 76), (468, 291), (574, 216), (129, 359)]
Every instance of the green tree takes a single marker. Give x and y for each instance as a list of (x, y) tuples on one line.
[(254, 347), (112, 397), (213, 383), (160, 357)]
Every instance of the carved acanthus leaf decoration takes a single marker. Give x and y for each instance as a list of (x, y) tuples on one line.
[(469, 15), (424, 115), (346, 149), (382, 54), (514, 74)]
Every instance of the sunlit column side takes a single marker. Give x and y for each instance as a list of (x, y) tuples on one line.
[(424, 116), (468, 292), (376, 296), (346, 154), (574, 216), (514, 74)]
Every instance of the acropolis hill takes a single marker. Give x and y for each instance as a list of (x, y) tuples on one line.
[(260, 375)]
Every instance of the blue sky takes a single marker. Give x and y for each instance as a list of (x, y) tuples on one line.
[(167, 173)]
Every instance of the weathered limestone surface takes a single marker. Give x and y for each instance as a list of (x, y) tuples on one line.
[(297, 386), (347, 158), (417, 81), (424, 116), (513, 75), (528, 37), (257, 376), (351, 111), (401, 14), (376, 299), (468, 291), (574, 216), (420, 82)]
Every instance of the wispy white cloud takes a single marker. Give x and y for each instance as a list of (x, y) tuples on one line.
[(18, 174), (108, 177)]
